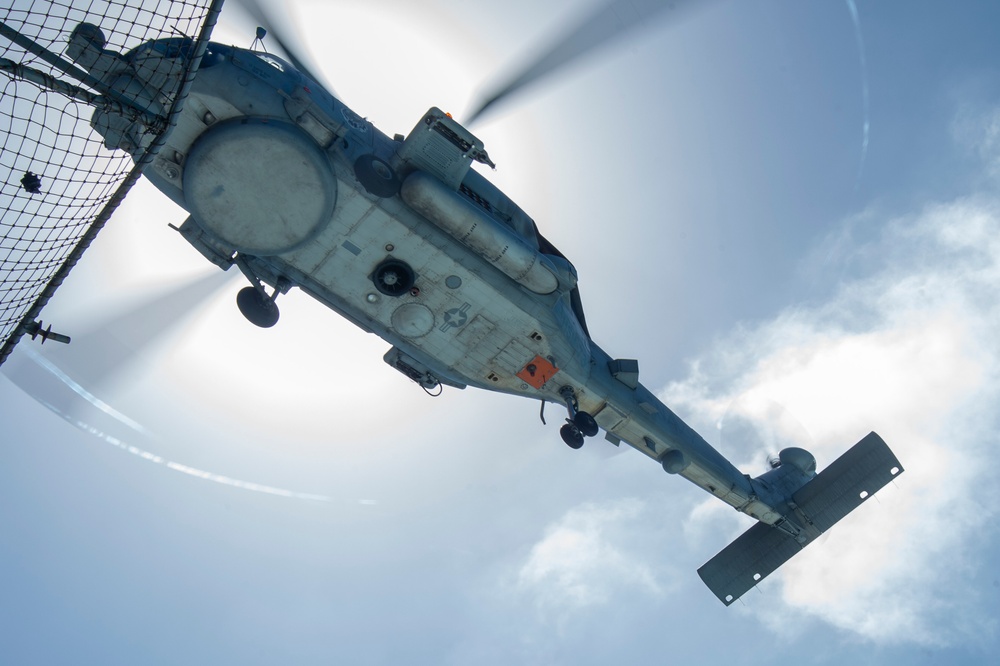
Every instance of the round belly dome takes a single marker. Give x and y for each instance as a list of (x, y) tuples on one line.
[(263, 187)]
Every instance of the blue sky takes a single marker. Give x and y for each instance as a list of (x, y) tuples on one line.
[(779, 282)]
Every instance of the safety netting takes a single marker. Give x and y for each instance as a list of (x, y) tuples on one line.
[(88, 91)]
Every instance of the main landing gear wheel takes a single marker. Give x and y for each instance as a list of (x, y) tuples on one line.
[(579, 424), (586, 423), (257, 308), (571, 435)]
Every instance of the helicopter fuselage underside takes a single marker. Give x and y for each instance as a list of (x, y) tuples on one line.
[(261, 185), (277, 171)]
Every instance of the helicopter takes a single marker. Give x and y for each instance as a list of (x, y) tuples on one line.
[(402, 236)]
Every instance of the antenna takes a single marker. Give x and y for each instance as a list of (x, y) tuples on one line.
[(259, 39)]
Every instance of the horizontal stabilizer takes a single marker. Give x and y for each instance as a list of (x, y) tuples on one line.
[(847, 482), (748, 560), (832, 494)]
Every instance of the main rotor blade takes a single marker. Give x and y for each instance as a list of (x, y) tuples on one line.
[(120, 341), (96, 356), (286, 35), (607, 22)]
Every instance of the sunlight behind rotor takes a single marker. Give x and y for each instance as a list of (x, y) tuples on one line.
[(110, 347), (445, 63), (76, 380)]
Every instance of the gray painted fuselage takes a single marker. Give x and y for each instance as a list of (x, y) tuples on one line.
[(282, 178)]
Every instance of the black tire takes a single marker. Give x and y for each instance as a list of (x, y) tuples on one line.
[(586, 423), (571, 435), (258, 310)]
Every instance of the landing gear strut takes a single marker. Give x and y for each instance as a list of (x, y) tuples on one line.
[(579, 424)]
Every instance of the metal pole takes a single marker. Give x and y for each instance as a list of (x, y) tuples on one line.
[(40, 78), (66, 67)]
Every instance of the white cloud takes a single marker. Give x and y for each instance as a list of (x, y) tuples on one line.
[(910, 351), (583, 560)]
